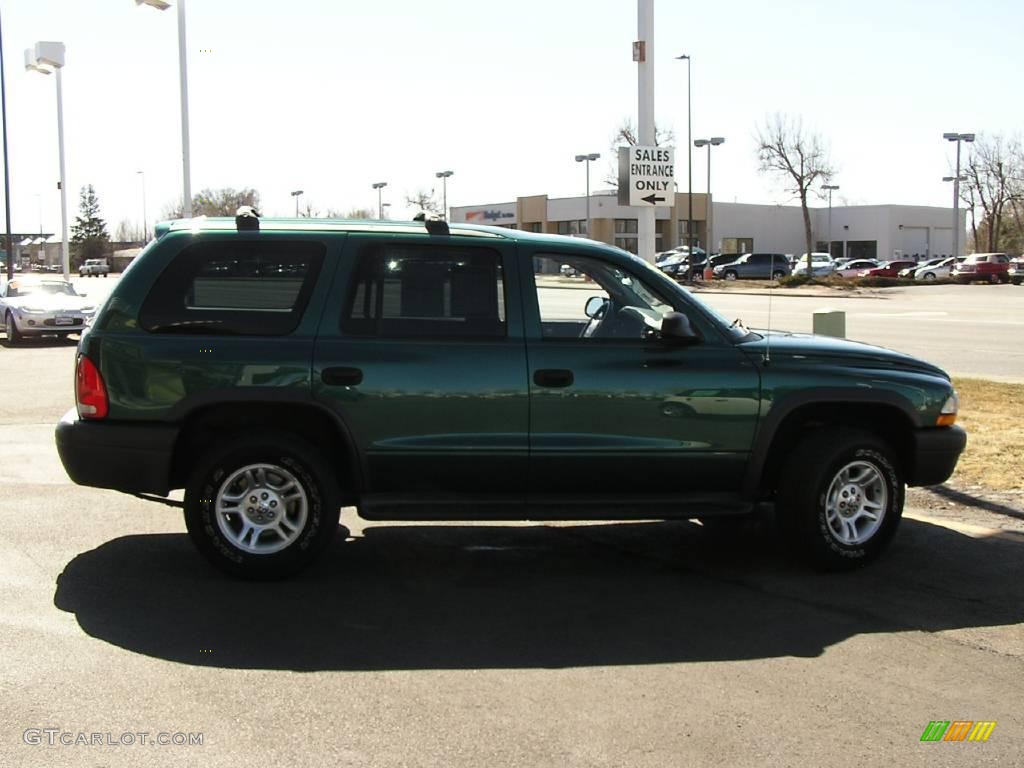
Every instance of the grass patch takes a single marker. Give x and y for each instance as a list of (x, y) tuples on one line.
[(990, 412), (849, 283)]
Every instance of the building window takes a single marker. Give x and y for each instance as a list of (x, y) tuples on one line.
[(625, 227), (627, 244), (572, 227), (533, 226)]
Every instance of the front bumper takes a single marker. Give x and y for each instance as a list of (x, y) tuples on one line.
[(134, 458), (935, 453), (51, 322)]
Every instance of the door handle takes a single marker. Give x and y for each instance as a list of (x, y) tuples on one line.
[(552, 377), (341, 376)]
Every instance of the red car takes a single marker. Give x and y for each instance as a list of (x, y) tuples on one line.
[(990, 267), (888, 268)]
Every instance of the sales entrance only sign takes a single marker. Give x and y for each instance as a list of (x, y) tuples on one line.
[(646, 176)]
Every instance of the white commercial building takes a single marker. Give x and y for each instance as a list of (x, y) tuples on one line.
[(861, 231)]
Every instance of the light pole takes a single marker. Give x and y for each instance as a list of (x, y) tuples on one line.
[(443, 176), (186, 174), (379, 185), (48, 57), (296, 195), (956, 191), (586, 159), (689, 154), (714, 141), (145, 222), (830, 188), (957, 137), (7, 167)]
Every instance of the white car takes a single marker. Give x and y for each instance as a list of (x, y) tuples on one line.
[(934, 271), (33, 307), (821, 265), (853, 267)]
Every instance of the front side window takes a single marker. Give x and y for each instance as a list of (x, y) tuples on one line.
[(405, 291), (234, 287), (601, 300)]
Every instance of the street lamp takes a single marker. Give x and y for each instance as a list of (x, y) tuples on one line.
[(379, 185), (689, 153), (296, 194), (48, 57), (957, 137), (186, 174), (587, 159), (7, 167), (443, 176), (830, 188), (145, 222), (714, 141)]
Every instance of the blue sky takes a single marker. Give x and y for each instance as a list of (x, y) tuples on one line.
[(329, 97)]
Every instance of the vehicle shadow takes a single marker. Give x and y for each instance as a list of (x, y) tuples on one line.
[(29, 342), (458, 596)]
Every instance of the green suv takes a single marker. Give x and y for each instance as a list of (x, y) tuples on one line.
[(278, 370)]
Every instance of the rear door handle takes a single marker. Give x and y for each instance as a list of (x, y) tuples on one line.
[(552, 377), (341, 376)]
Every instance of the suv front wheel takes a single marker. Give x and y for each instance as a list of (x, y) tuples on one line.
[(840, 498), (262, 506)]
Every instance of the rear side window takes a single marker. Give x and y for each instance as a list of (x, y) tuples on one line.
[(404, 291), (237, 287)]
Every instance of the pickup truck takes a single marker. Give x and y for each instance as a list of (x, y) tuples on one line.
[(278, 370), (94, 268), (987, 267)]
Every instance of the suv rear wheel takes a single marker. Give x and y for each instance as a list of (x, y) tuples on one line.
[(840, 498), (262, 506)]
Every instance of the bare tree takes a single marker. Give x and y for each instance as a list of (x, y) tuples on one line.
[(994, 188), (359, 213), (309, 211), (422, 200), (128, 232), (626, 136), (215, 202), (800, 157)]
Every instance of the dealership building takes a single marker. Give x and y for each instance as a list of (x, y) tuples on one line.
[(857, 231)]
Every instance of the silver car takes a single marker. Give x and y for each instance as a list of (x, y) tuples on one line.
[(33, 307)]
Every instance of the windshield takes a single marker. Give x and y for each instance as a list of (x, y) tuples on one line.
[(15, 290)]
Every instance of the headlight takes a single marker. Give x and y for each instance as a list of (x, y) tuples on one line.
[(32, 310), (947, 416), (86, 310)]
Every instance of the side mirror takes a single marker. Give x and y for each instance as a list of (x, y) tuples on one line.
[(595, 307), (675, 326)]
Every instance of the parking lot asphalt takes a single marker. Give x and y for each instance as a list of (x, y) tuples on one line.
[(639, 644)]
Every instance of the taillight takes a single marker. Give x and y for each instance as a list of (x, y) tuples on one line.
[(90, 391)]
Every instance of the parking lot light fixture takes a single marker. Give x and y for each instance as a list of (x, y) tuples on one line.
[(830, 188), (379, 185), (162, 5), (714, 141), (296, 194), (588, 159), (444, 176), (958, 138), (48, 57)]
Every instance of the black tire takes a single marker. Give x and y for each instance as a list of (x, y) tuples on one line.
[(929, 276), (13, 336), (1016, 281), (778, 274), (815, 468), (291, 460), (731, 275)]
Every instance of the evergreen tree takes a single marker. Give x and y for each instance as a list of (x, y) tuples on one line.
[(89, 232)]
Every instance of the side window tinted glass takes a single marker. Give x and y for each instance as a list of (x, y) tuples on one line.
[(405, 291), (236, 287)]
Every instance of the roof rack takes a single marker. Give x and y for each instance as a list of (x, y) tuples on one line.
[(435, 224), (247, 217)]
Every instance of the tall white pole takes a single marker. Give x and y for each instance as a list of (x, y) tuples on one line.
[(645, 92), (956, 203), (64, 255), (183, 68), (589, 233)]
